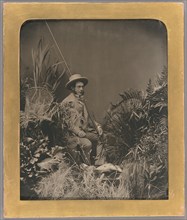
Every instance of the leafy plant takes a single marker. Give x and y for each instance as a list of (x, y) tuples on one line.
[(36, 125), (127, 120), (45, 74), (139, 124)]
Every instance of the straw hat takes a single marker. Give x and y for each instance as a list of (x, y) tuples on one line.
[(74, 78)]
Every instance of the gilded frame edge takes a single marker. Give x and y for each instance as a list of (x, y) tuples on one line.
[(165, 12)]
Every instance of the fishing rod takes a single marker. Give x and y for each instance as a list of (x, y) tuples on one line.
[(69, 72), (101, 137), (63, 59), (92, 118)]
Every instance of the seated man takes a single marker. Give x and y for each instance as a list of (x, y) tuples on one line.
[(79, 121)]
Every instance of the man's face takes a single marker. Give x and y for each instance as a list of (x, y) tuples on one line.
[(79, 88)]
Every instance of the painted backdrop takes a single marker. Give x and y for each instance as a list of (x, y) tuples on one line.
[(114, 55)]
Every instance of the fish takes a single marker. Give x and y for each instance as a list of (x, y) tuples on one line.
[(108, 167)]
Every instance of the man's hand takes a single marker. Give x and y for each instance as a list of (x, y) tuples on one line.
[(81, 134), (100, 130)]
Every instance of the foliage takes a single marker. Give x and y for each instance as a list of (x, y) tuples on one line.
[(23, 89), (36, 125), (135, 115), (44, 73), (149, 88), (139, 124), (127, 120), (41, 138), (32, 152)]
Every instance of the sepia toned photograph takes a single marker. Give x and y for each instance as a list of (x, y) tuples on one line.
[(93, 110)]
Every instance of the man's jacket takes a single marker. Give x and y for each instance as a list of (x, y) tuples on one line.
[(78, 115)]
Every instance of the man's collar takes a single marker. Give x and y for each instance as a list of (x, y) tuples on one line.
[(80, 98)]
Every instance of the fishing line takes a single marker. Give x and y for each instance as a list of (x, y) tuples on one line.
[(69, 71)]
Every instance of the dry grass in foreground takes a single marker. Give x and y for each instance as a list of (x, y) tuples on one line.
[(76, 183)]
